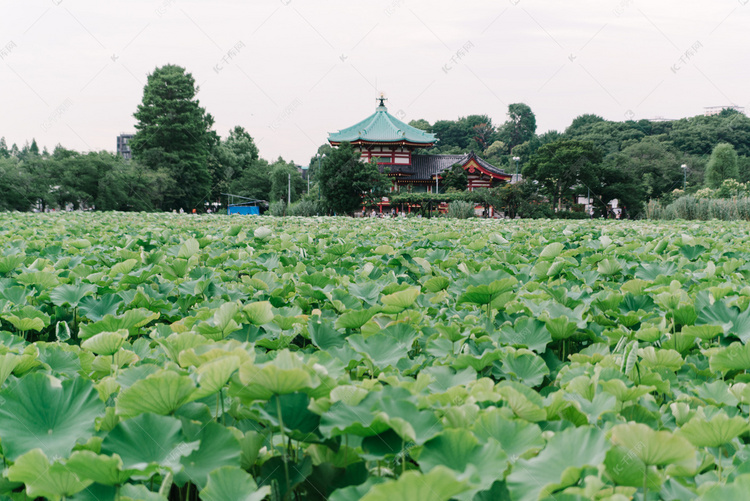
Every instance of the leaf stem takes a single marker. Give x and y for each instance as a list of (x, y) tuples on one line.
[(283, 436)]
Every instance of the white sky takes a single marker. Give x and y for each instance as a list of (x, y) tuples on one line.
[(72, 71)]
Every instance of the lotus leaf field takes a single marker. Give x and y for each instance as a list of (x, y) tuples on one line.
[(165, 356)]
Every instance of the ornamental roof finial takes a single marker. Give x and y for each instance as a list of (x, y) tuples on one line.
[(382, 100)]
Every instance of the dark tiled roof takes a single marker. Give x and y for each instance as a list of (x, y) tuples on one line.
[(424, 167)]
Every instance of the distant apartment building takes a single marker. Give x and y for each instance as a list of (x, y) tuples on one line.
[(715, 110), (123, 148)]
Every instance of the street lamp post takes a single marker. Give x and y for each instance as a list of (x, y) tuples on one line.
[(684, 176), (318, 177), (516, 159)]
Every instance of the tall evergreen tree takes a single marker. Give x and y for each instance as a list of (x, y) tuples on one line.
[(174, 133), (520, 126)]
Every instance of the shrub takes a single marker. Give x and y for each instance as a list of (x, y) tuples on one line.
[(460, 210), (277, 209), (305, 208)]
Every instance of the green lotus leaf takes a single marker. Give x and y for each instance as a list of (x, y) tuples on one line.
[(96, 309), (609, 267), (558, 465), (299, 422), (188, 248), (214, 375), (741, 391), (324, 336), (692, 251), (625, 468), (560, 327), (705, 332), (717, 431), (487, 293), (160, 393), (600, 404), (528, 368), (8, 362), (440, 484), (736, 356), (230, 483), (716, 393), (222, 323), (382, 349), (218, 448), (524, 402), (105, 470), (355, 319), (10, 263), (138, 492), (402, 299), (16, 295), (43, 412), (179, 342), (459, 450), (130, 320), (653, 358), (261, 382), (258, 313), (27, 318), (735, 490), (552, 250), (40, 280), (517, 438), (263, 233), (436, 284), (42, 479), (62, 331), (106, 343), (528, 332), (148, 440), (122, 267), (71, 294), (649, 334), (623, 392), (79, 243), (653, 448), (377, 412), (382, 250)]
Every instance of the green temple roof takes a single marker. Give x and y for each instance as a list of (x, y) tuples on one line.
[(382, 127)]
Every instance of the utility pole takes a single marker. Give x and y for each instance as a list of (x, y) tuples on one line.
[(289, 191)]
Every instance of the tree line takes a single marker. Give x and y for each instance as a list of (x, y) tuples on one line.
[(632, 161), (180, 162)]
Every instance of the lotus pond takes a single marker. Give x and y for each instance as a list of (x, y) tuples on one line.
[(176, 357)]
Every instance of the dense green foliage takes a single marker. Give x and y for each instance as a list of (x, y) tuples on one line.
[(223, 358), (722, 165), (347, 183), (638, 160)]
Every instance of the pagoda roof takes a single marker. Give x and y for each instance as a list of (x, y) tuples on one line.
[(424, 167), (383, 128)]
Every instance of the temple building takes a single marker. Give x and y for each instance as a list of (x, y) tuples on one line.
[(393, 144)]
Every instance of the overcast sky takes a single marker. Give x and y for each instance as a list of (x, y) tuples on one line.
[(290, 71)]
